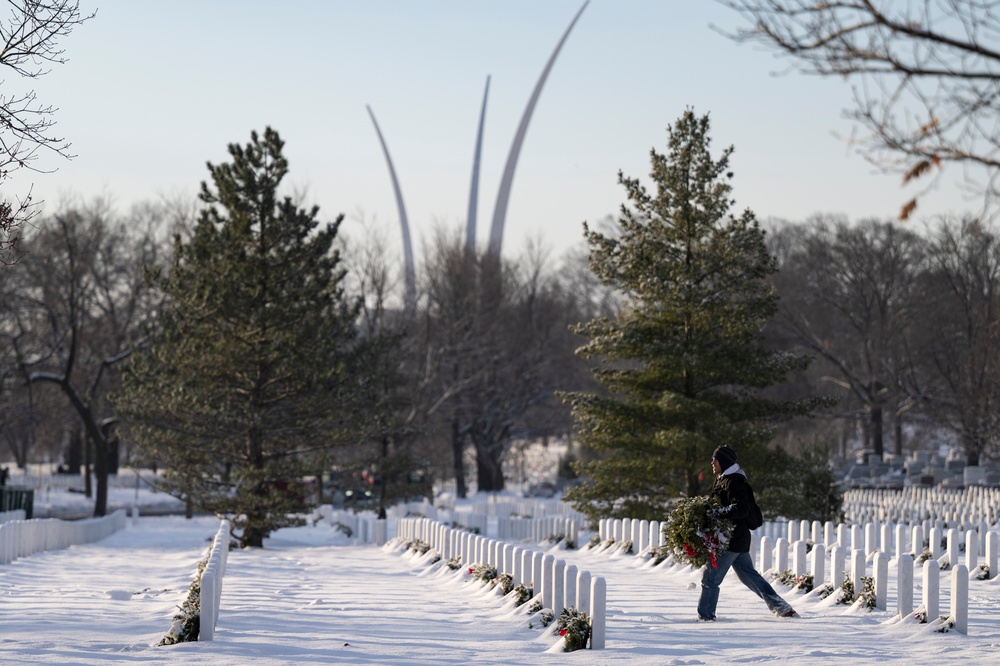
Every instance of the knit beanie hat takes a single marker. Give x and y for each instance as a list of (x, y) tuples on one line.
[(726, 457)]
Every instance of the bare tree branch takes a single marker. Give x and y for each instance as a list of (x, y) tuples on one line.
[(29, 43), (929, 75)]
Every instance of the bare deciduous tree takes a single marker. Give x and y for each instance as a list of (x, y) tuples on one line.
[(929, 74), (963, 333), (30, 36), (496, 345), (79, 311), (847, 296)]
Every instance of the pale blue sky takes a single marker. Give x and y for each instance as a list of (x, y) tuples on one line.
[(153, 90)]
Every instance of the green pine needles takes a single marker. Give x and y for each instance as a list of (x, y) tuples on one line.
[(254, 371), (682, 365)]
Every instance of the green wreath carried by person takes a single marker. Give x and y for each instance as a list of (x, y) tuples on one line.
[(694, 538)]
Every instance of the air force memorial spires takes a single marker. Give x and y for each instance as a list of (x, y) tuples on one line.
[(500, 210)]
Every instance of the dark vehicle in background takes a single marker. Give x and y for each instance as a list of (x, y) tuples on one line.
[(365, 489)]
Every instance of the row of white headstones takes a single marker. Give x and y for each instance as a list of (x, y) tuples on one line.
[(971, 505), (556, 584), (21, 538)]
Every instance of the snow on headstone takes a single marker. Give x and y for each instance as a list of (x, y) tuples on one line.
[(971, 550), (904, 585), (837, 558), (818, 562), (960, 599), (881, 570), (932, 575)]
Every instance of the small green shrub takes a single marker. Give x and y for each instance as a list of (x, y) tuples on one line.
[(947, 624), (824, 590), (658, 554), (524, 593), (867, 595), (417, 546), (556, 538), (848, 587), (506, 583)]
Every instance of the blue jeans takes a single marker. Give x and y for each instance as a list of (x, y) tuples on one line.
[(743, 566)]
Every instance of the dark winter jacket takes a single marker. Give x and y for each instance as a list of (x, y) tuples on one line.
[(734, 495)]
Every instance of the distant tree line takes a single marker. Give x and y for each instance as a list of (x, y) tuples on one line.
[(903, 324)]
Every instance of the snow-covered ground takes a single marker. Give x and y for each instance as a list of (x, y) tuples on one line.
[(313, 597), (60, 502)]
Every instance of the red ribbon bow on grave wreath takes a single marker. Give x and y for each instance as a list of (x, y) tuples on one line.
[(712, 543), (691, 552), (562, 632), (470, 569)]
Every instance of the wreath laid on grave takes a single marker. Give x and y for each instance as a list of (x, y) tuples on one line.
[(692, 536), (186, 623), (574, 627)]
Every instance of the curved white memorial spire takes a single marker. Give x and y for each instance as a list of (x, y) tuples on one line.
[(470, 220), (500, 212), (410, 272)]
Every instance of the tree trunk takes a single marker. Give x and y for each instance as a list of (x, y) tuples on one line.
[(74, 450), (253, 537), (256, 517), (489, 470), (93, 438), (845, 436), (878, 442), (88, 457), (457, 448), (101, 474), (973, 447), (897, 435), (866, 435), (385, 477), (694, 482)]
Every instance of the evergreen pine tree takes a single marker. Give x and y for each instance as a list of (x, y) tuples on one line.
[(682, 364), (254, 372)]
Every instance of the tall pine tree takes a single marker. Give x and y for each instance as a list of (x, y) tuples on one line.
[(682, 364), (254, 371)]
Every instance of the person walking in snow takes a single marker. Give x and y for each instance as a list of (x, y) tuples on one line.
[(734, 494)]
